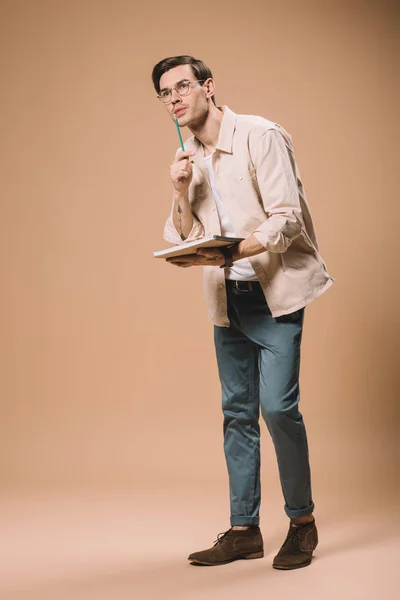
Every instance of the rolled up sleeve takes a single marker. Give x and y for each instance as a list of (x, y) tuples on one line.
[(277, 183)]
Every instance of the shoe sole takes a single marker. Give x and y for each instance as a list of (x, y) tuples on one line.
[(293, 567), (194, 561), (305, 564)]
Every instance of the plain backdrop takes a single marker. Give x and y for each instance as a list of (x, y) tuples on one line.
[(108, 373)]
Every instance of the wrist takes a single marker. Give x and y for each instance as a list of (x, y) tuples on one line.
[(181, 196), (231, 254), (236, 252), (227, 252)]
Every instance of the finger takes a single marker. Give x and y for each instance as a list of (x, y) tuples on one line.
[(180, 259), (184, 167), (182, 164), (184, 265), (186, 154), (205, 251), (181, 262), (208, 253)]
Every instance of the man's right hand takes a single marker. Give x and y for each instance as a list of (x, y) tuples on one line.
[(181, 171)]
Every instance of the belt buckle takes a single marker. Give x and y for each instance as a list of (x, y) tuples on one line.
[(249, 289)]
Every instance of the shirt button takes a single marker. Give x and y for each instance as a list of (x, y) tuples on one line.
[(221, 286)]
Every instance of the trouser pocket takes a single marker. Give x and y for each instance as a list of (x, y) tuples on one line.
[(293, 317)]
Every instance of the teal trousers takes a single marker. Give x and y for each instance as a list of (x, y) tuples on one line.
[(258, 359)]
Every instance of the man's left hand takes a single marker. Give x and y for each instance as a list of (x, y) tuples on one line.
[(204, 257)]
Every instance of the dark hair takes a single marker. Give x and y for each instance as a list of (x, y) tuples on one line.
[(199, 68)]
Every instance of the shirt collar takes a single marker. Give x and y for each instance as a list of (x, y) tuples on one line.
[(228, 124), (226, 132)]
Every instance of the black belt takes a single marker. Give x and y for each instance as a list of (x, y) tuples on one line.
[(244, 286)]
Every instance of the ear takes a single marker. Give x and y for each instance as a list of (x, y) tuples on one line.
[(210, 86)]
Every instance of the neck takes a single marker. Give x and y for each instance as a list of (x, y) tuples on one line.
[(207, 129)]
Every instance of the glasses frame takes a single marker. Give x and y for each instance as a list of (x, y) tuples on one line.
[(181, 95)]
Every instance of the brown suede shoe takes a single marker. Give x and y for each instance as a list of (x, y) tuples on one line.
[(231, 545), (298, 547)]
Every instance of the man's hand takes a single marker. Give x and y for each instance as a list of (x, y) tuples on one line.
[(204, 257), (214, 257), (181, 171)]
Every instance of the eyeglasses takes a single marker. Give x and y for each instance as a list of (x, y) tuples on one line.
[(182, 89)]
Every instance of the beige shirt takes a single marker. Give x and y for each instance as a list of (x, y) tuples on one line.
[(260, 185)]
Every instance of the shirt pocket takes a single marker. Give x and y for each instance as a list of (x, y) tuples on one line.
[(244, 175), (245, 182)]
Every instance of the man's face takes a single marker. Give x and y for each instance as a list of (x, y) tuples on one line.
[(190, 107)]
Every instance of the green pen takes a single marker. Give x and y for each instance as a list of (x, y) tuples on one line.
[(179, 134)]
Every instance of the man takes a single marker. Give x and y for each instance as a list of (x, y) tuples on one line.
[(238, 177)]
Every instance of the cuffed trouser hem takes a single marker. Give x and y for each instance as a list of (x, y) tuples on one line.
[(245, 521), (303, 512)]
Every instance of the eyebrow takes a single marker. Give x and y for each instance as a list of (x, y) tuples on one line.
[(176, 83)]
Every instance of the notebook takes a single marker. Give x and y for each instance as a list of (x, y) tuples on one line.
[(211, 241)]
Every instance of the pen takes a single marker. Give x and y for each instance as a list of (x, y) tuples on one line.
[(179, 134)]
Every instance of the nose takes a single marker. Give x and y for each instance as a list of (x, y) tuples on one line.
[(177, 96)]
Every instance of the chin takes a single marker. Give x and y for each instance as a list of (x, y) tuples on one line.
[(184, 121)]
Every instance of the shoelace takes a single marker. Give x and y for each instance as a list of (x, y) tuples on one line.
[(293, 533), (223, 535)]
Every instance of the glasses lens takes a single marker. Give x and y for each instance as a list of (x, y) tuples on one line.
[(183, 88), (165, 96)]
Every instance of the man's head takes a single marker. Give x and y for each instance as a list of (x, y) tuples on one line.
[(183, 82)]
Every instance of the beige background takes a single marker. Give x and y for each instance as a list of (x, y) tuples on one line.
[(109, 382)]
